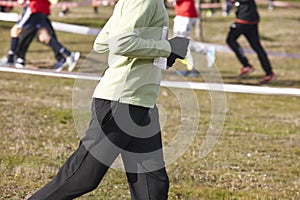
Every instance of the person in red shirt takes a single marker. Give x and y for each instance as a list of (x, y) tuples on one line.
[(184, 22), (15, 32), (186, 9), (246, 23), (35, 21)]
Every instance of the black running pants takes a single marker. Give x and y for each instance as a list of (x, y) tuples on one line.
[(115, 129), (27, 36), (252, 35)]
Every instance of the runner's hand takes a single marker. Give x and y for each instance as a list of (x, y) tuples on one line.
[(179, 47)]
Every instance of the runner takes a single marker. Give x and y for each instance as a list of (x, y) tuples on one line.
[(35, 21), (184, 22), (124, 115), (246, 23)]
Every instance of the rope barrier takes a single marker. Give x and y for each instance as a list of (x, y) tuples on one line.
[(233, 88)]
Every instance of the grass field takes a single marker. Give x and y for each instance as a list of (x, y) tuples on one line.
[(257, 155)]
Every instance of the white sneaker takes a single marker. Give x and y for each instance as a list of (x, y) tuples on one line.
[(4, 62), (210, 56), (20, 63), (72, 60)]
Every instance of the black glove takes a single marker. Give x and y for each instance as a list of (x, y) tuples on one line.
[(179, 47)]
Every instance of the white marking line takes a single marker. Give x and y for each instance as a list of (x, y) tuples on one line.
[(234, 88)]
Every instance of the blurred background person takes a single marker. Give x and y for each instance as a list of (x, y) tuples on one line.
[(184, 22), (228, 7), (34, 21), (246, 23)]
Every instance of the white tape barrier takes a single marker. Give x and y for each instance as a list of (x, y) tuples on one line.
[(246, 89), (234, 88), (70, 28), (195, 46), (44, 72), (9, 17)]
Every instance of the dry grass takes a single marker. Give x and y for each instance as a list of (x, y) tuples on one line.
[(257, 154)]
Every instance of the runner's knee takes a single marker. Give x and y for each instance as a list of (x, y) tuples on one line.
[(15, 31), (44, 36)]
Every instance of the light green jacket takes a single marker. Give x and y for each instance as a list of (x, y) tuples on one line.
[(132, 36)]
